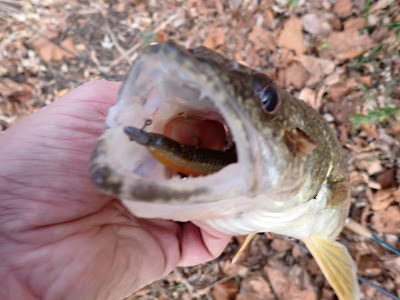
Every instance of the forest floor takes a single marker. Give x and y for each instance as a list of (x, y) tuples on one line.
[(340, 56)]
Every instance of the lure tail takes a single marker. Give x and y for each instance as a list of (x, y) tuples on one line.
[(337, 265)]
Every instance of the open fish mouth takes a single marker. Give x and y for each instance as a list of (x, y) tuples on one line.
[(189, 100)]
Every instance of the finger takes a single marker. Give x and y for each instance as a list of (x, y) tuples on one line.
[(101, 94), (199, 245)]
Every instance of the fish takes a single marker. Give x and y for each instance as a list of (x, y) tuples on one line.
[(288, 177)]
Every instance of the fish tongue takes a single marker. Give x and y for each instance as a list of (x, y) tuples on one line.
[(196, 132)]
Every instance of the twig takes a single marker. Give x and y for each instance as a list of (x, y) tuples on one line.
[(137, 45), (121, 50), (189, 287), (361, 230)]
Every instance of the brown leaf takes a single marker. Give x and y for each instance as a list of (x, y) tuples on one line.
[(278, 280), (381, 4), (388, 220), (215, 38), (296, 75), (50, 51), (262, 39), (225, 291), (7, 87), (348, 44), (229, 269), (24, 93), (370, 130), (338, 91), (396, 195), (366, 80), (310, 96), (315, 24), (355, 23), (286, 288), (368, 265), (382, 199), (281, 245), (387, 179), (313, 267), (257, 288), (342, 7), (317, 67), (291, 36)]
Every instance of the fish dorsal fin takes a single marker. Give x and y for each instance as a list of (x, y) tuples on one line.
[(298, 142), (337, 265)]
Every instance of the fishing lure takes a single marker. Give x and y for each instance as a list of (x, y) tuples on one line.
[(185, 159)]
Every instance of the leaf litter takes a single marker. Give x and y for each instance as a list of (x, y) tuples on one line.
[(340, 56)]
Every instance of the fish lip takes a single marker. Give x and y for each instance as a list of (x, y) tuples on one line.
[(168, 57)]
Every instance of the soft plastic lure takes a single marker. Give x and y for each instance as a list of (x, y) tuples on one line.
[(186, 159)]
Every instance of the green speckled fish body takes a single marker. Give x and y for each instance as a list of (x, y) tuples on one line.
[(290, 176)]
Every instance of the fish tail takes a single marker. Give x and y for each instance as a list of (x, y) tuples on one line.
[(337, 265)]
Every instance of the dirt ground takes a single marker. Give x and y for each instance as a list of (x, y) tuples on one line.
[(340, 56)]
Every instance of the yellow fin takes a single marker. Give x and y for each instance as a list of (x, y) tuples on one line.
[(243, 247), (337, 265)]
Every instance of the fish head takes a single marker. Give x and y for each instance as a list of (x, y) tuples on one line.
[(262, 120)]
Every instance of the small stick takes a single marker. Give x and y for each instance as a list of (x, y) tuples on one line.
[(361, 230), (243, 247)]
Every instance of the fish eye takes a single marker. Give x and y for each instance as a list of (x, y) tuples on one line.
[(269, 99), (266, 92)]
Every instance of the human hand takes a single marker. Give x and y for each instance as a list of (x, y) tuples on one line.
[(62, 239)]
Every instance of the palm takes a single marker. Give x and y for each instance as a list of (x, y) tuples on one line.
[(61, 237)]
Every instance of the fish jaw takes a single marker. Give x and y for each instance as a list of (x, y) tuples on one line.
[(164, 81)]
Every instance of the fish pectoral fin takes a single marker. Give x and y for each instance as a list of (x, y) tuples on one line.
[(299, 143), (337, 265), (243, 247)]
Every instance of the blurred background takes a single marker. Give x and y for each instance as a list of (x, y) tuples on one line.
[(342, 57)]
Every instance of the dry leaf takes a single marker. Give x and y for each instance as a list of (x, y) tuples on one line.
[(311, 23), (317, 67), (335, 77), (382, 199), (7, 87), (354, 23), (387, 179), (278, 280), (296, 75), (370, 130), (348, 44), (257, 288), (381, 4), (24, 93), (366, 80), (396, 195), (343, 8), (262, 39), (285, 287), (215, 38), (281, 245), (309, 95), (368, 265), (387, 221), (291, 36), (229, 269), (50, 51), (338, 91), (225, 291)]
